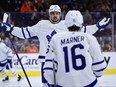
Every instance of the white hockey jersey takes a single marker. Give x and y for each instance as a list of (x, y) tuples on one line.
[(5, 52), (44, 30), (77, 58)]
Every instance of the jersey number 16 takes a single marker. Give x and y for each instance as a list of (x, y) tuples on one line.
[(74, 58)]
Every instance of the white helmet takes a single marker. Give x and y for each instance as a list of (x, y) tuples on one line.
[(54, 8), (74, 17)]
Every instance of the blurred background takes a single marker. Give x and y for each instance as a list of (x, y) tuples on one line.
[(24, 13)]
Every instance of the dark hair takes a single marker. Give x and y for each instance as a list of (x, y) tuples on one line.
[(73, 28)]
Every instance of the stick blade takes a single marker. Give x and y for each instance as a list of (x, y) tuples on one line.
[(5, 17)]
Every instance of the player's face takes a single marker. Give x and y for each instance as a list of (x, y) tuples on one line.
[(55, 17)]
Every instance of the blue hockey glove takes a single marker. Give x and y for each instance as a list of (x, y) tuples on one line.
[(103, 23), (6, 27)]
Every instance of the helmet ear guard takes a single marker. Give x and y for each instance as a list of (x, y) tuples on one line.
[(54, 8)]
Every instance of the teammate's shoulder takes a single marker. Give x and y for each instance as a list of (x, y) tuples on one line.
[(85, 34), (43, 21), (62, 21), (61, 34), (2, 44)]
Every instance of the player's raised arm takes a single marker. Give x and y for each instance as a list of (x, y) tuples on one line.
[(21, 32), (100, 25)]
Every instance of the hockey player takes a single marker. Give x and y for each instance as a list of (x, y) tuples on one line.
[(45, 29), (6, 62), (78, 62)]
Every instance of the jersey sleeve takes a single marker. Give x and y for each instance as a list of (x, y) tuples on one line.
[(50, 66), (7, 50), (99, 64), (26, 32), (91, 29)]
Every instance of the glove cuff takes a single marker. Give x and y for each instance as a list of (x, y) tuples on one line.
[(11, 29), (99, 27)]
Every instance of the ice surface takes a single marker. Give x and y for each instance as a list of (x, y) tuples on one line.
[(105, 81), (35, 82)]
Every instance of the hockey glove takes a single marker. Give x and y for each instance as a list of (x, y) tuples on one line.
[(104, 22), (6, 27)]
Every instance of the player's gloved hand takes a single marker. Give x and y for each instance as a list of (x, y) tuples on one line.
[(104, 22), (6, 27)]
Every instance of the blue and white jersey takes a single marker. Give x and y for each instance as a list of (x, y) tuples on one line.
[(5, 55), (5, 52), (78, 60), (44, 30)]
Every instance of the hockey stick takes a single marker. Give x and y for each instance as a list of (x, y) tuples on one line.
[(54, 73), (5, 17)]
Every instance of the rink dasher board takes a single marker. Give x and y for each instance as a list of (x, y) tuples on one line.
[(32, 65)]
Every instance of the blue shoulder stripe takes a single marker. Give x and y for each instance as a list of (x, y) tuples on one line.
[(23, 33), (28, 32)]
